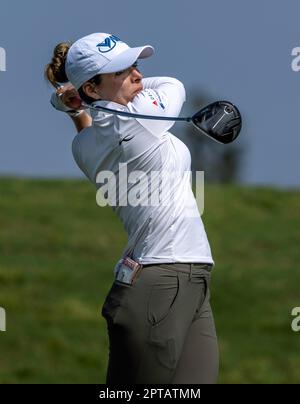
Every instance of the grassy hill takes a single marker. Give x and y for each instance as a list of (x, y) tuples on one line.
[(57, 252)]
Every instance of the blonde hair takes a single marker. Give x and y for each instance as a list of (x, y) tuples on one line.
[(55, 70)]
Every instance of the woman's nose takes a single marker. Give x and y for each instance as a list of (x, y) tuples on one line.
[(135, 74)]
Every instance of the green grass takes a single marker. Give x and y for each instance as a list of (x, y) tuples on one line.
[(57, 252)]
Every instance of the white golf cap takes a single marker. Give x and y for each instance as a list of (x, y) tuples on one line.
[(100, 53)]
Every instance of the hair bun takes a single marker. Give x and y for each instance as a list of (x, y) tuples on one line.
[(55, 70)]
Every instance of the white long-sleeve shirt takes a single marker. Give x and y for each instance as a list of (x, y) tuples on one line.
[(164, 231)]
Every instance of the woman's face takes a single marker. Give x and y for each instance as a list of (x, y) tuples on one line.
[(120, 87)]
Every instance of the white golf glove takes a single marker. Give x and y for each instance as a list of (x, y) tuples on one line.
[(57, 103)]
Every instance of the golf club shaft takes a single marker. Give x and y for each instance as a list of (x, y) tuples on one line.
[(140, 116)]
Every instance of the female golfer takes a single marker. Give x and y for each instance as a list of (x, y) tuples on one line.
[(159, 319)]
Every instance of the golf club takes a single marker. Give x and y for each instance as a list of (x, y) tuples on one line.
[(220, 120)]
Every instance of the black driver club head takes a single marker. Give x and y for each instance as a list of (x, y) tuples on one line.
[(220, 120)]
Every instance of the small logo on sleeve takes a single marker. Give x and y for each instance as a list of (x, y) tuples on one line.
[(155, 99)]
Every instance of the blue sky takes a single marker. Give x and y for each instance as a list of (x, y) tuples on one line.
[(235, 50)]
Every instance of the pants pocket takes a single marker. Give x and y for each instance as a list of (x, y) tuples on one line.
[(162, 297), (114, 300)]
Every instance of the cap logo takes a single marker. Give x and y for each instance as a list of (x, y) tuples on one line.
[(108, 44)]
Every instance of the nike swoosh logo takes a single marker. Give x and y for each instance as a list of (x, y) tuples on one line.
[(126, 139)]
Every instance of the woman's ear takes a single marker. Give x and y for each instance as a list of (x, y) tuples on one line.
[(89, 90)]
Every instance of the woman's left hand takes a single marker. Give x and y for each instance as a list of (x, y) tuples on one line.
[(70, 97)]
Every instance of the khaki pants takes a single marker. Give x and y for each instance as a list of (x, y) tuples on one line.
[(161, 328)]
